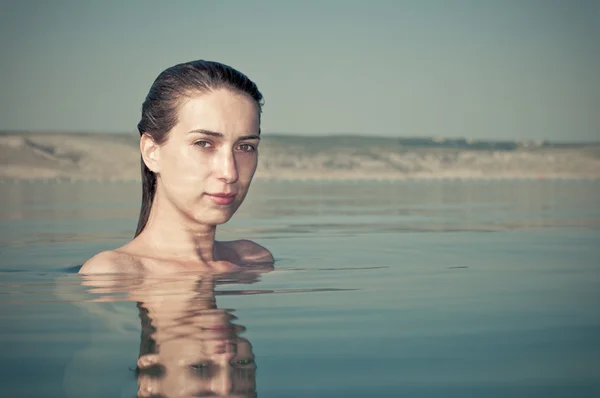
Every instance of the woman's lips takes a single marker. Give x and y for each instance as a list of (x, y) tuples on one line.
[(221, 198)]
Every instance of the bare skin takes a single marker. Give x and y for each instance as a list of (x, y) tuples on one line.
[(203, 170), (230, 256)]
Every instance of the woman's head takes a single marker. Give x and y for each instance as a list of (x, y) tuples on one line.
[(199, 132)]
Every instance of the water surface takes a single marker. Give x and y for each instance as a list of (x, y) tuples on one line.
[(423, 289)]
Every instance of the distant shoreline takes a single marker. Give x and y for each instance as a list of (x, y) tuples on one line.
[(30, 156), (323, 136), (314, 179)]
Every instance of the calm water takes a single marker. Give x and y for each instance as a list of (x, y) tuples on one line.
[(420, 289)]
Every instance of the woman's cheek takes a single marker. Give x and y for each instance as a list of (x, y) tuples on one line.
[(193, 166)]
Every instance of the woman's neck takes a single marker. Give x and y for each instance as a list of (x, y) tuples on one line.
[(171, 235)]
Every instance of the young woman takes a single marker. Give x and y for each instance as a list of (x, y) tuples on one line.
[(200, 130)]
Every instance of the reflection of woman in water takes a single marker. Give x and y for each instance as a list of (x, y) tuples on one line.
[(189, 347), (200, 130)]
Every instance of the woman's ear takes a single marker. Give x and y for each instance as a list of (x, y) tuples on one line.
[(150, 152)]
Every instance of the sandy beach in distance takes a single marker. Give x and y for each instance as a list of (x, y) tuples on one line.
[(104, 157)]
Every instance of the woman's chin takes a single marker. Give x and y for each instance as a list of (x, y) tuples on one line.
[(217, 218)]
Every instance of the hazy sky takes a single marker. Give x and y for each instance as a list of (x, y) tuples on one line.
[(520, 69)]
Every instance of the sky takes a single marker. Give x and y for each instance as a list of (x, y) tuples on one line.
[(481, 69)]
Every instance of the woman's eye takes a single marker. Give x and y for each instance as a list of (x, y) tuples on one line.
[(247, 148), (200, 366), (244, 362), (203, 144)]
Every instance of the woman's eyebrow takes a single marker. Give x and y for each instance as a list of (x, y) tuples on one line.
[(249, 137), (220, 135), (207, 132)]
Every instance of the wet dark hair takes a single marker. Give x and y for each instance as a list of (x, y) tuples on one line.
[(161, 106)]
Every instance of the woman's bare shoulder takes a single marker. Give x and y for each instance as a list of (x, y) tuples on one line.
[(111, 262), (249, 252)]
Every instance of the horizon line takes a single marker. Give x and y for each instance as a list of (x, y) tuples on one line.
[(320, 135)]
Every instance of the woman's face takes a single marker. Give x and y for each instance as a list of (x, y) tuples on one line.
[(210, 156)]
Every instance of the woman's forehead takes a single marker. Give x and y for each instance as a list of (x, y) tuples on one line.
[(221, 111)]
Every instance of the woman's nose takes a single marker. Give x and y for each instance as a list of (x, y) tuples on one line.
[(225, 167)]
